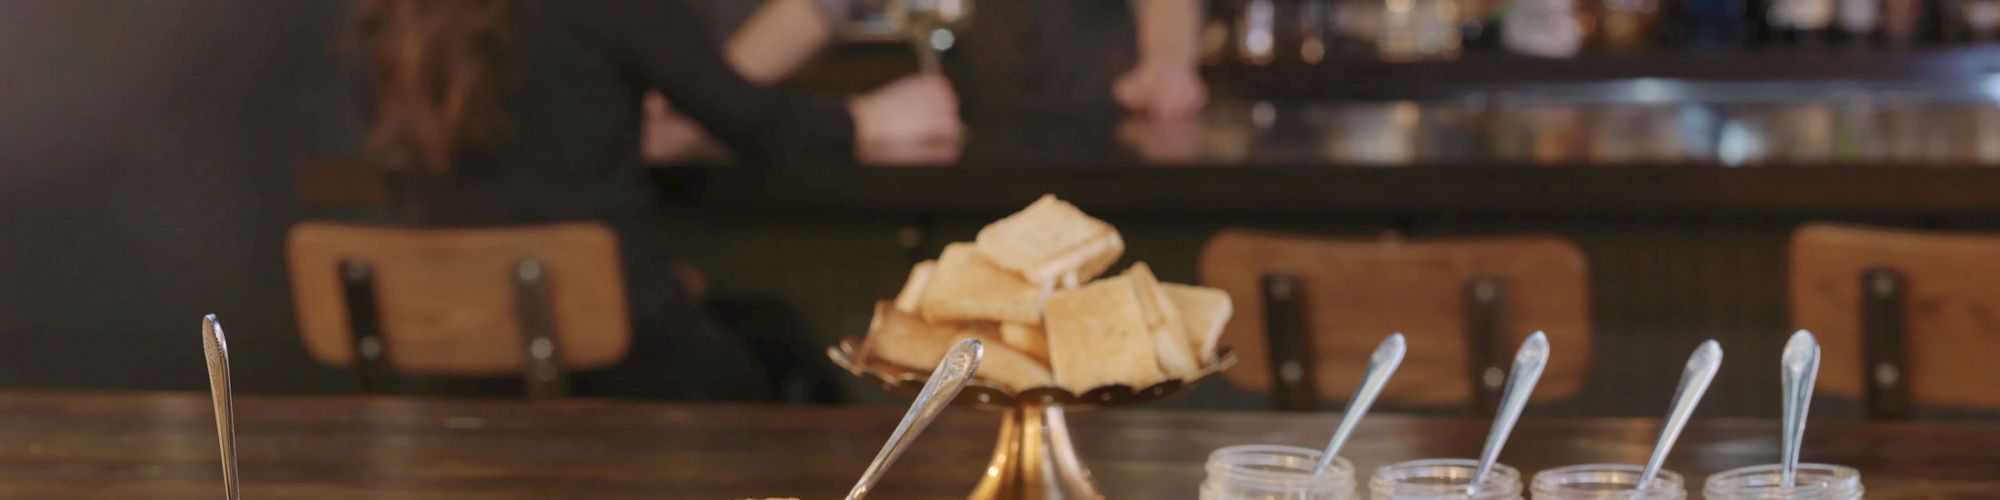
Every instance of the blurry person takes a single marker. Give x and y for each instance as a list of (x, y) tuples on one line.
[(1018, 60), (1037, 54), (526, 111)]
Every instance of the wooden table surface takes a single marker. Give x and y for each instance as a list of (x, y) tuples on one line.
[(162, 445)]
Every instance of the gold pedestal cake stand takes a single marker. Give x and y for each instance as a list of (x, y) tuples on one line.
[(1033, 458)]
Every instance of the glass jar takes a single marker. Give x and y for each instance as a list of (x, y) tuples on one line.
[(1440, 478), (1760, 482), (1604, 482), (1274, 472)]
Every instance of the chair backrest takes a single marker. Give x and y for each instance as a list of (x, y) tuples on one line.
[(1318, 306), (1925, 332), (459, 301)]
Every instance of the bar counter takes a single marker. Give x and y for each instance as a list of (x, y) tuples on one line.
[(1640, 146), (162, 446)]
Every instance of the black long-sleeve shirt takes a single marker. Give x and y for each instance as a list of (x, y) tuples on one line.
[(574, 74)]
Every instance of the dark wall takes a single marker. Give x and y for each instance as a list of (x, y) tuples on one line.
[(146, 179)]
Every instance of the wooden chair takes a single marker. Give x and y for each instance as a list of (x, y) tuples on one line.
[(1903, 317), (1310, 310), (460, 302)]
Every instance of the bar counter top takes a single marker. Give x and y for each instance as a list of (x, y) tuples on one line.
[(162, 446)]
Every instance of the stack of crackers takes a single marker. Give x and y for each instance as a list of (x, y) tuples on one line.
[(1025, 287)]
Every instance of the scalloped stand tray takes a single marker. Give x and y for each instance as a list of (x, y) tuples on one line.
[(1033, 457)]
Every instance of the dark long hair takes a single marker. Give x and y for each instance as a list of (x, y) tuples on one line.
[(435, 66)]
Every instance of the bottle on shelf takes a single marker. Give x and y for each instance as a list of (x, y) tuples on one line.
[(1627, 25), (1714, 24), (1545, 28)]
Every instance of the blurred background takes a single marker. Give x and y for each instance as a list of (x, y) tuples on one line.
[(158, 153)]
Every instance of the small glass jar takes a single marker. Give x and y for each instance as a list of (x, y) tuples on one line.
[(1440, 478), (1605, 482), (1760, 482), (1274, 472)]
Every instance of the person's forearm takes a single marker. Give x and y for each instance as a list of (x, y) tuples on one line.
[(779, 39), (1168, 30)]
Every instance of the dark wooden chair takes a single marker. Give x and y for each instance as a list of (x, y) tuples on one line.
[(1310, 310), (1905, 318), (461, 302)]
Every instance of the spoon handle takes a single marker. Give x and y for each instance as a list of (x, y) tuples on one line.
[(216, 348), (1380, 366), (1801, 366), (950, 377), (1521, 379), (1700, 371)]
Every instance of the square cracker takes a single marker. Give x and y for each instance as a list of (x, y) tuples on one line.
[(913, 287), (1177, 359), (1098, 337), (964, 286), (1203, 311), (1051, 238), (1030, 339), (905, 340)]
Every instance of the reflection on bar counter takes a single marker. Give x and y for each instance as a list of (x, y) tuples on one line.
[(1604, 482), (1275, 472), (1761, 482), (1634, 122), (1442, 478)]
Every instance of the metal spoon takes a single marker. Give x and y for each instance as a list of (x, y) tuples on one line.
[(1700, 371), (216, 349), (1380, 366), (1528, 364), (1801, 366), (950, 376)]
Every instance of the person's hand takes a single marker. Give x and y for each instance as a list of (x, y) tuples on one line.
[(1161, 89), (1164, 141), (916, 108), (911, 120), (670, 137)]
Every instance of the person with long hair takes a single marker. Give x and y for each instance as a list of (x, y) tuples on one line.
[(524, 111)]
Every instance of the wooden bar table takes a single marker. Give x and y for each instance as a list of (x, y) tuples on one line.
[(162, 446)]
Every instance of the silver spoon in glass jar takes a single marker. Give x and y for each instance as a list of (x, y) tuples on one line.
[(946, 381), (1800, 367), (1528, 364), (1700, 371), (1381, 365)]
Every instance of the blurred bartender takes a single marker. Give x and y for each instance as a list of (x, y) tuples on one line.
[(1037, 61), (494, 112), (1037, 56)]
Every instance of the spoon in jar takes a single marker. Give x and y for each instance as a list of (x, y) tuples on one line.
[(946, 381), (216, 350), (1528, 364), (1380, 366), (1800, 367), (1700, 371)]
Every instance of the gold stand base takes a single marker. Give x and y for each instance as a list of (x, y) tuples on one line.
[(1034, 459)]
